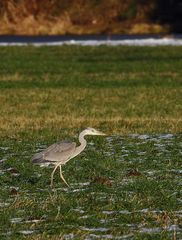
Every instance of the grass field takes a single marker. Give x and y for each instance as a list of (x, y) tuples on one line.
[(127, 184)]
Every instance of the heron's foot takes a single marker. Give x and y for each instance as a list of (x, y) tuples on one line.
[(67, 184), (64, 180), (51, 184)]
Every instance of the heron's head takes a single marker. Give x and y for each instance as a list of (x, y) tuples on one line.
[(93, 131)]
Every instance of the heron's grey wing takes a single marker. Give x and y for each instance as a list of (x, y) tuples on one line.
[(39, 157), (61, 152), (57, 152)]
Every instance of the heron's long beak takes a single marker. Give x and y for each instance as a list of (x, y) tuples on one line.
[(101, 133)]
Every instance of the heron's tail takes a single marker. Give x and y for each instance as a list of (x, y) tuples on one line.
[(38, 159)]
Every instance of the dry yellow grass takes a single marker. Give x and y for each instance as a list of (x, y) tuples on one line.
[(117, 110)]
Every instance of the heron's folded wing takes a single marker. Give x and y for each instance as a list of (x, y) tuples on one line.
[(38, 158), (60, 151)]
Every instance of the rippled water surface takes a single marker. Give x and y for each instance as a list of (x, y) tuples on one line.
[(121, 187)]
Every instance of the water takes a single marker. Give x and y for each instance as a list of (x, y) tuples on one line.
[(143, 197), (93, 40)]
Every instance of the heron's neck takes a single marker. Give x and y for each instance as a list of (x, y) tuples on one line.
[(82, 141), (82, 145)]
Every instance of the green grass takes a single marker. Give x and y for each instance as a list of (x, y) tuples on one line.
[(120, 89), (50, 93)]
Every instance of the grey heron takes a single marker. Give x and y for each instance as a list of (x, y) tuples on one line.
[(60, 153)]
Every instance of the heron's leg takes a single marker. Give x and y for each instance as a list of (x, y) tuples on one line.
[(52, 174), (61, 175)]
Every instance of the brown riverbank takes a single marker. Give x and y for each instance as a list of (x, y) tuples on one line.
[(35, 17)]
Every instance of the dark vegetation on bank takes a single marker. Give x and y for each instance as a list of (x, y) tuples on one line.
[(89, 16)]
